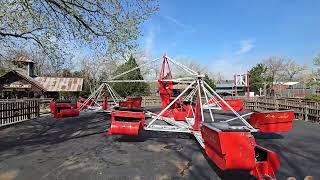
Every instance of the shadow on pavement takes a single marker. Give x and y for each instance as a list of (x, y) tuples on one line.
[(259, 135)]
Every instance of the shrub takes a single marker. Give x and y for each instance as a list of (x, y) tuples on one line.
[(314, 97)]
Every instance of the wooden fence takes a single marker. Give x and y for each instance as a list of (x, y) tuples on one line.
[(150, 101), (303, 109), (14, 111)]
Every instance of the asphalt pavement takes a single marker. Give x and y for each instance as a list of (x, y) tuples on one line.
[(78, 148)]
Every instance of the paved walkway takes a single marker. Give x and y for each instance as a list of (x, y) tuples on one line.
[(78, 148)]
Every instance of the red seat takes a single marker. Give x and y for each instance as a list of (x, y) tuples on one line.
[(131, 102), (64, 109), (237, 150), (229, 150), (126, 122), (277, 121)]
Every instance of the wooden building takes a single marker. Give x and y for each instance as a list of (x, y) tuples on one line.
[(21, 82), (16, 84)]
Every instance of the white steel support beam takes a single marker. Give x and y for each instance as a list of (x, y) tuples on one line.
[(244, 115), (114, 98), (90, 97), (200, 99), (167, 128), (235, 112), (165, 109), (205, 94), (124, 73), (190, 71)]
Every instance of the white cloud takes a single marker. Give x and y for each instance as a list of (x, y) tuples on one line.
[(232, 63), (245, 46), (228, 68)]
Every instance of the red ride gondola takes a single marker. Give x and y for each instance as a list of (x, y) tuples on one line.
[(128, 118), (64, 108), (272, 121)]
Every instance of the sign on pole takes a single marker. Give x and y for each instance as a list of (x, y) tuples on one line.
[(242, 80)]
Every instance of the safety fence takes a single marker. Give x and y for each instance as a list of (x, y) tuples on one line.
[(14, 111)]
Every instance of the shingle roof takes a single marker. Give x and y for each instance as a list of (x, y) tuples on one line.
[(23, 59), (56, 84)]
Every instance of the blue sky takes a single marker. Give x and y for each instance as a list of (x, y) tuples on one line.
[(231, 36)]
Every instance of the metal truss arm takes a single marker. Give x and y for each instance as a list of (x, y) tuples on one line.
[(168, 106), (205, 94), (190, 71), (235, 112), (124, 73)]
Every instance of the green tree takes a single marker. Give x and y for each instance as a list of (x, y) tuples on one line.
[(51, 24), (2, 71), (316, 60), (209, 81), (258, 77), (132, 88)]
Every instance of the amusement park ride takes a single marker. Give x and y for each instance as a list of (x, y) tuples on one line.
[(229, 143)]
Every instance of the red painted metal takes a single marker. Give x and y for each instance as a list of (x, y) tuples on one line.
[(267, 164), (277, 121), (165, 87), (88, 103), (165, 91), (235, 86), (231, 150), (236, 104), (198, 114), (126, 122), (189, 110), (64, 109), (248, 84), (124, 128), (179, 111), (105, 105), (179, 115), (131, 102)]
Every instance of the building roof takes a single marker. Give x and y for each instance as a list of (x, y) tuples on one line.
[(290, 83), (286, 83), (23, 58), (56, 84), (225, 84), (15, 75)]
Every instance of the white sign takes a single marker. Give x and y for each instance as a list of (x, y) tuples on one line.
[(16, 85), (241, 80)]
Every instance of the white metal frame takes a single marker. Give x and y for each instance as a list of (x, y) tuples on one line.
[(198, 86)]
